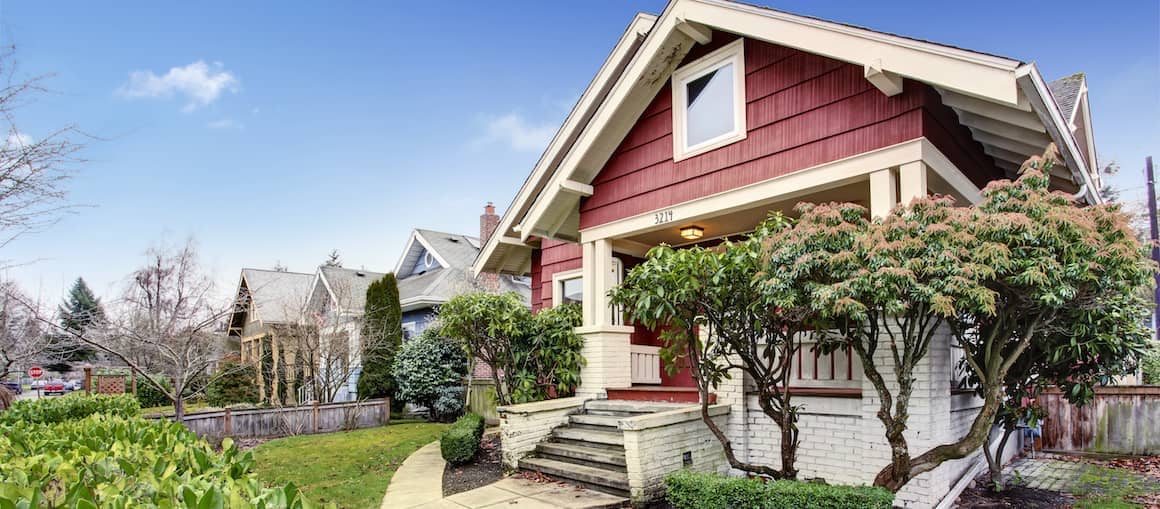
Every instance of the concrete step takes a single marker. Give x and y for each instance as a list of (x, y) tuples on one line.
[(599, 478), (589, 435), (617, 448), (609, 421), (598, 456), (633, 407)]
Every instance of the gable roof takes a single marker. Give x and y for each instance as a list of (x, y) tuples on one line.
[(347, 288), (277, 296), (1066, 92), (455, 254), (649, 51)]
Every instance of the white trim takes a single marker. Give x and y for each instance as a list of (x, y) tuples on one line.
[(798, 183), (1037, 91), (832, 174), (558, 280), (729, 54), (420, 301), (416, 236)]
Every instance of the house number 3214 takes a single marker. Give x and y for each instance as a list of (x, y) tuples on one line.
[(663, 217)]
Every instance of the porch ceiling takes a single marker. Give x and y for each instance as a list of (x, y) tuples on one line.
[(743, 221)]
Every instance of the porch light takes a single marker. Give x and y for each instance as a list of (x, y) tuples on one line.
[(692, 232)]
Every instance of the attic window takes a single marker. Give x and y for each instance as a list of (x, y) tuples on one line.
[(709, 102), (428, 260)]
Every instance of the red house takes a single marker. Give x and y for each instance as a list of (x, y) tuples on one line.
[(703, 120)]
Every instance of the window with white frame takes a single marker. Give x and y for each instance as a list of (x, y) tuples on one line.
[(568, 287), (709, 101)]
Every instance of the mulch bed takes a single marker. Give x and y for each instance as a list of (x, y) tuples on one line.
[(979, 496), (485, 469)]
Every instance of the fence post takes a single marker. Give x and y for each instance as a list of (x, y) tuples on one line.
[(386, 411), (229, 424), (316, 416)]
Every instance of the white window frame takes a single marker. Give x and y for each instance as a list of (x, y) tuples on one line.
[(732, 53), (558, 283)]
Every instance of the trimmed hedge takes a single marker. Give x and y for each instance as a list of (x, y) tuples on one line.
[(69, 408), (460, 443), (689, 490)]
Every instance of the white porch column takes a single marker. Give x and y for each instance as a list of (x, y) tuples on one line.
[(606, 346), (883, 192), (911, 182)]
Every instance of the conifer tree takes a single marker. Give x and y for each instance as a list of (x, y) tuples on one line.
[(81, 311), (382, 335)]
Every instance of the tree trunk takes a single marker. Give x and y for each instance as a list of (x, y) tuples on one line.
[(995, 462)]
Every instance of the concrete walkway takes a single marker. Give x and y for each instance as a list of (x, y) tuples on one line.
[(419, 483), (419, 480)]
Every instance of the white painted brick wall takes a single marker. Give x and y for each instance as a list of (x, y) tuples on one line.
[(651, 454), (521, 427)]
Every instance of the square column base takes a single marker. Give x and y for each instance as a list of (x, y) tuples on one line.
[(606, 350)]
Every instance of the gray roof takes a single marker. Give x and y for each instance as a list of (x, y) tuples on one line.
[(349, 286), (459, 251), (1066, 93), (278, 296)]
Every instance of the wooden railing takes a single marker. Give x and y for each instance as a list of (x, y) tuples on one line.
[(645, 363), (840, 369)]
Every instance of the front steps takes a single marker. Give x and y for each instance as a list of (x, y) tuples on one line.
[(589, 449)]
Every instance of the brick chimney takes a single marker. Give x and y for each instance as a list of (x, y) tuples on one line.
[(488, 222)]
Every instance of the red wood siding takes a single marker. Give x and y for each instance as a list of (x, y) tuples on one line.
[(802, 110), (552, 257)]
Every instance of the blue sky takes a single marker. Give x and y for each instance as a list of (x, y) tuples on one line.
[(277, 131)]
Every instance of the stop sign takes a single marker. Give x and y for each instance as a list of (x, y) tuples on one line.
[(35, 372)]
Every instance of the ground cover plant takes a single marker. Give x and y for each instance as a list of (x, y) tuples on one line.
[(689, 490)]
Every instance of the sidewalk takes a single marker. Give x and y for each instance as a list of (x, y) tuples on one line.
[(419, 483)]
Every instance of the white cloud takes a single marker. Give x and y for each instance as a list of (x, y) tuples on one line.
[(199, 83), (17, 140), (515, 131), (225, 123)]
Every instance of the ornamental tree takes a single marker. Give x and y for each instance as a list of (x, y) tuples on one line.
[(533, 357), (713, 311), (426, 366), (884, 289), (1067, 273)]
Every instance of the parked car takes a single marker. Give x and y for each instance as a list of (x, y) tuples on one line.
[(14, 386), (54, 387), (73, 385)]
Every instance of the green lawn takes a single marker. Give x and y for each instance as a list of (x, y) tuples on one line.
[(351, 469)]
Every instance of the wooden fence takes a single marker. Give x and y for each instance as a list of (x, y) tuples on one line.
[(284, 421), (481, 400), (1120, 420)]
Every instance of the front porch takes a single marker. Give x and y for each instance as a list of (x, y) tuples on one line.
[(624, 360)]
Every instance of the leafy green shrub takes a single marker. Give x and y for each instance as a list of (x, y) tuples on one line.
[(68, 408), (450, 401), (235, 382), (151, 396), (535, 357), (424, 366), (460, 443), (113, 461), (1150, 366), (688, 490)]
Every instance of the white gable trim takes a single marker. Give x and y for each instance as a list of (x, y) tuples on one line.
[(417, 237), (1045, 106)]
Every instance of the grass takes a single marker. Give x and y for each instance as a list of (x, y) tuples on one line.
[(351, 469), (1108, 488)]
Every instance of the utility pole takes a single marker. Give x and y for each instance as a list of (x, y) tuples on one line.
[(1155, 246)]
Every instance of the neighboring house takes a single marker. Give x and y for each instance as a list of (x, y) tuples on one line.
[(336, 306), (267, 307), (702, 121)]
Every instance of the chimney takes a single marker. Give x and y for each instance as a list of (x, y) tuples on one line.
[(488, 222)]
